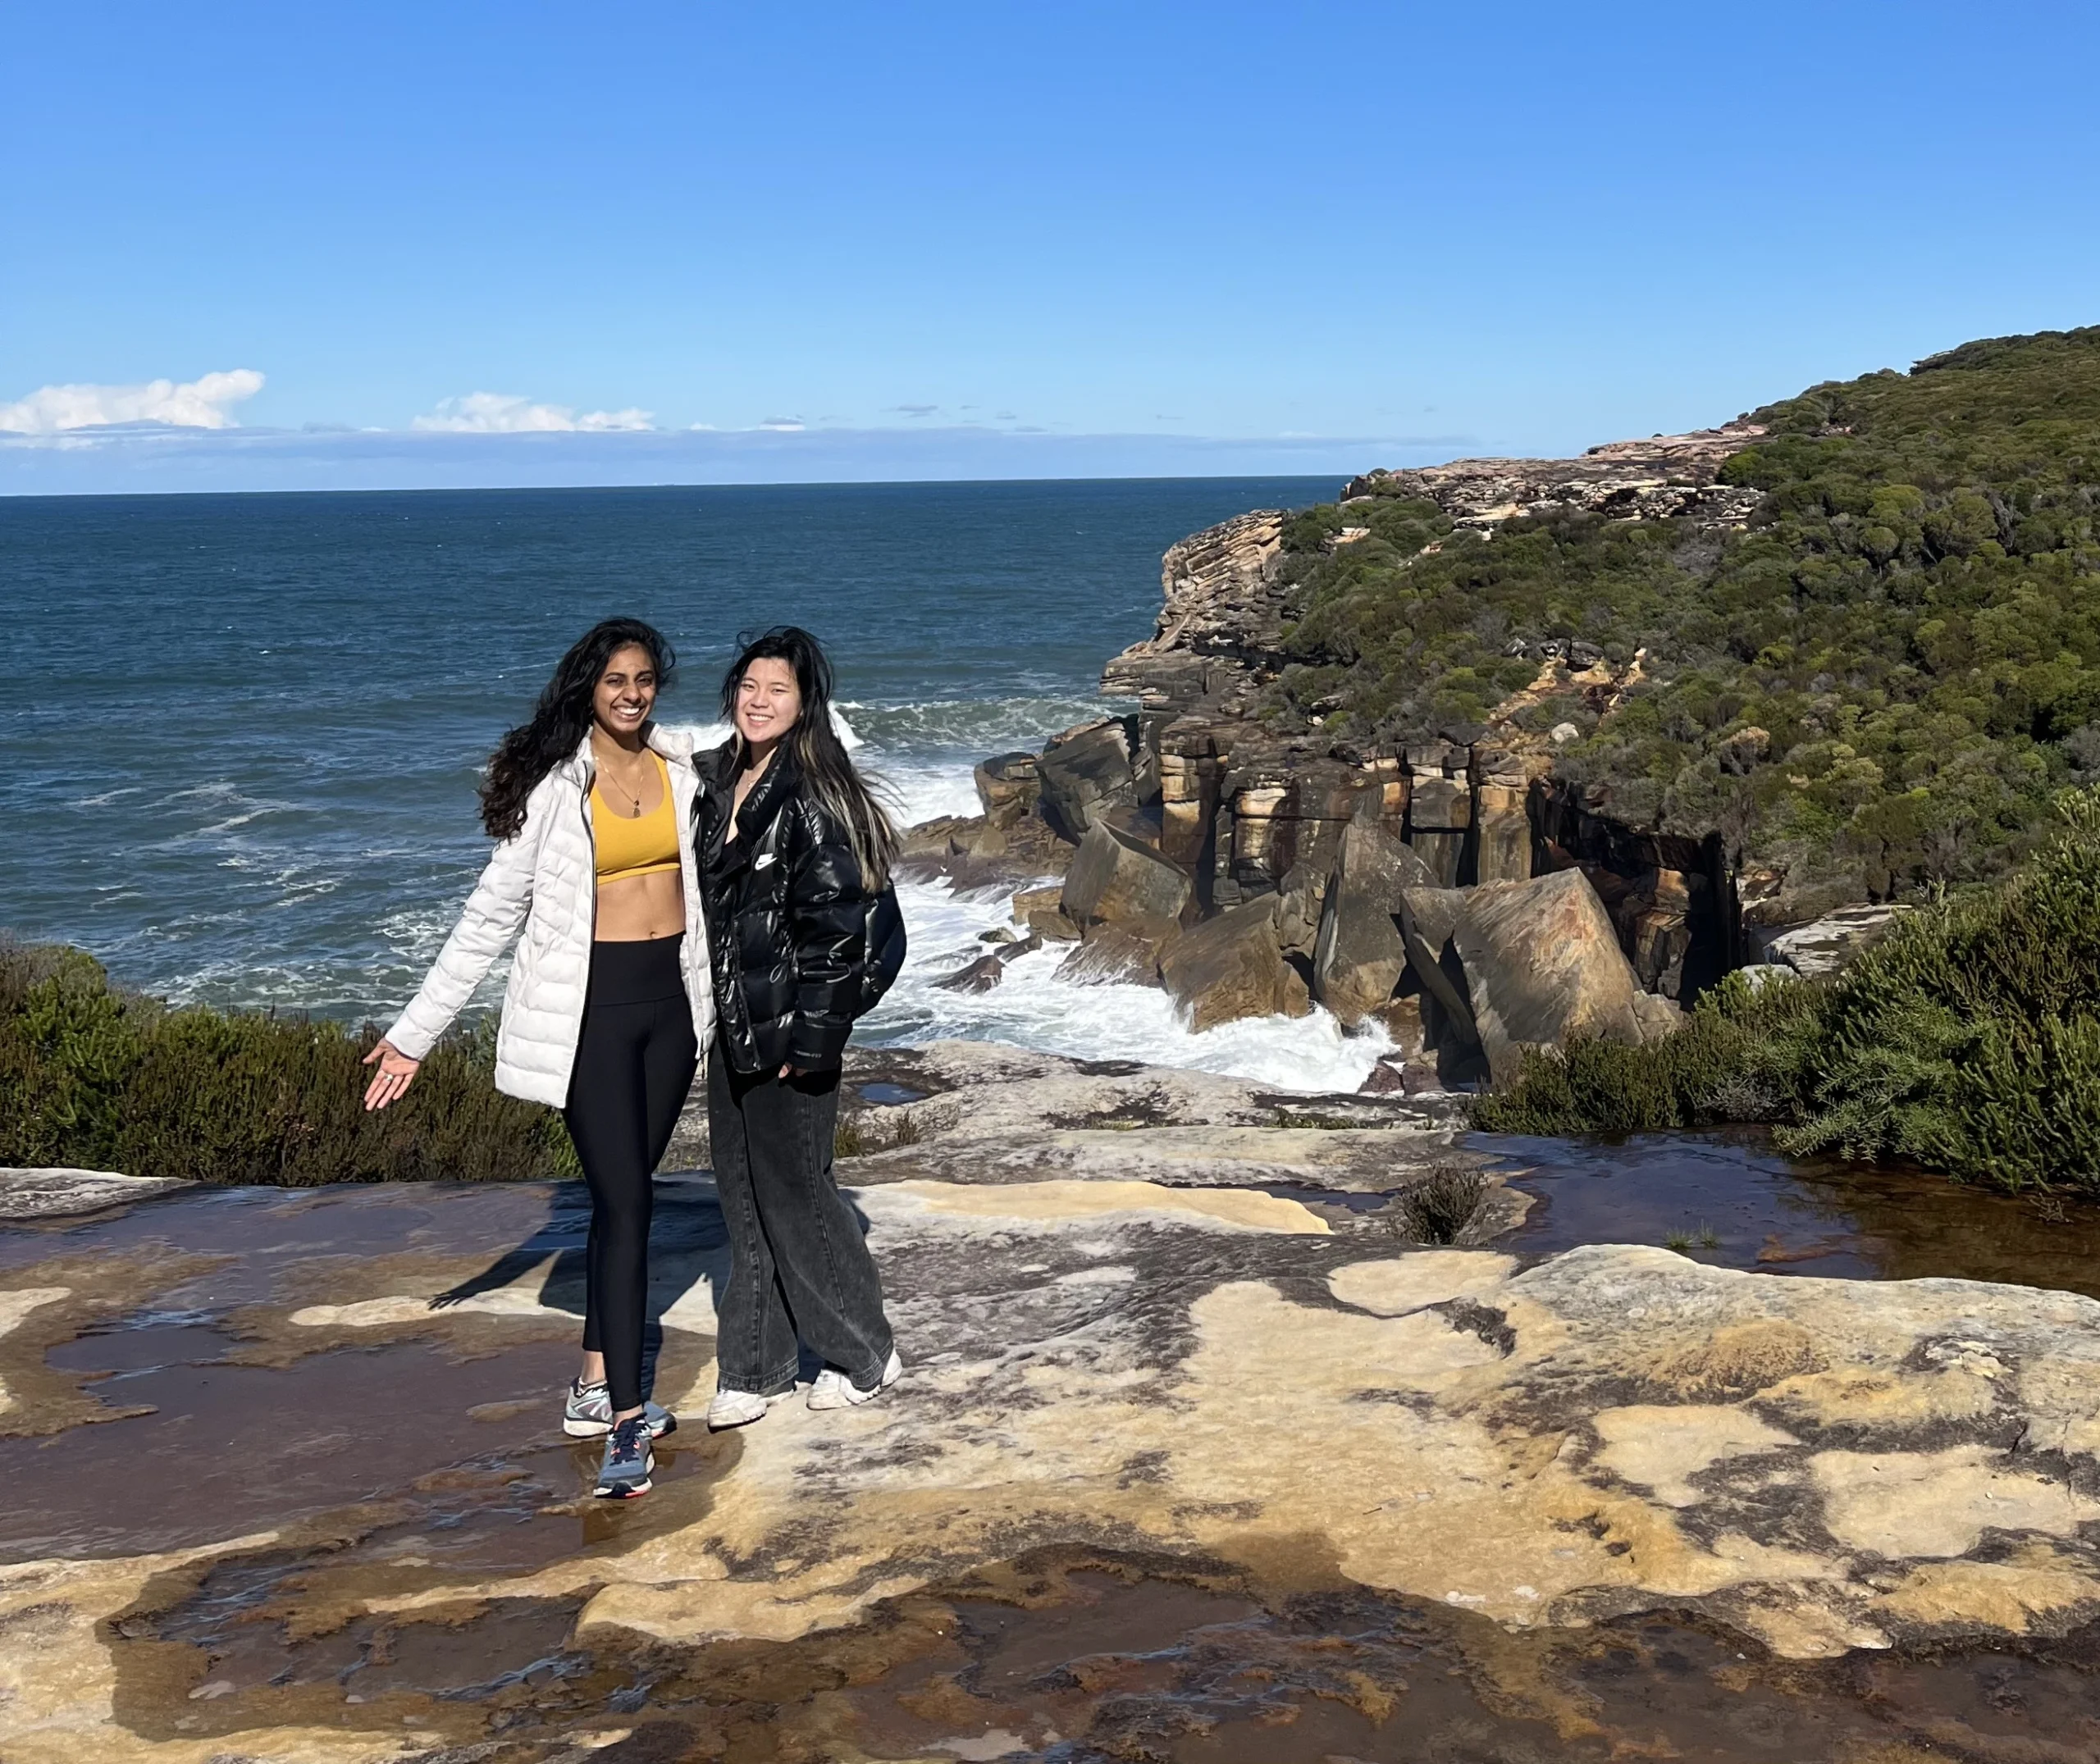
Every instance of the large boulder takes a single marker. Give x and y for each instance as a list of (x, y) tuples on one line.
[(977, 851), (1141, 826), (1083, 770), (1360, 953), (1008, 784), (1114, 879), (1232, 967), (1429, 919), (1300, 903), (1042, 911), (1112, 956), (1543, 963), (980, 975)]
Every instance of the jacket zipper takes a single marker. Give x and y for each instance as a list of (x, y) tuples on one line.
[(590, 839)]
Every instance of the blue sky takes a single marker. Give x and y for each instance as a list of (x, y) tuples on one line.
[(933, 240)]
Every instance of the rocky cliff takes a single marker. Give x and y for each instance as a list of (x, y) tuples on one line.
[(1242, 805), (1827, 656), (1211, 836), (1667, 476)]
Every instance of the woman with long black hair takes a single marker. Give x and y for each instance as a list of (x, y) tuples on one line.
[(795, 856), (609, 999)]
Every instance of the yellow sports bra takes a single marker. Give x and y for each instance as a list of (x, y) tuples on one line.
[(638, 844)]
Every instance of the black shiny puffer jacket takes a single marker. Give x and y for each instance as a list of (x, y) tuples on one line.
[(788, 918)]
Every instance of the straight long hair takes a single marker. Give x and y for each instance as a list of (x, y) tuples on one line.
[(814, 745), (562, 719)]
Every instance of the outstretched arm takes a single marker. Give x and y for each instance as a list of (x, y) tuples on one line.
[(490, 919)]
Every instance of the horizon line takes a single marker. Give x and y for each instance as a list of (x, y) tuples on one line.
[(514, 490)]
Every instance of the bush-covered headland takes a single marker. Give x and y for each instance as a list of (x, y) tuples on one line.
[(1874, 681)]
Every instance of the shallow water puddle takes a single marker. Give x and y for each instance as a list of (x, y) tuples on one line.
[(1147, 1670), (254, 1421), (232, 1449), (1733, 1201), (1068, 1664)]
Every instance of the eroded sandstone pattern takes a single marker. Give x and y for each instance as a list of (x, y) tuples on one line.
[(282, 1484)]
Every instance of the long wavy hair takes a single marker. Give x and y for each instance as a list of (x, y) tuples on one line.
[(813, 743), (562, 719)]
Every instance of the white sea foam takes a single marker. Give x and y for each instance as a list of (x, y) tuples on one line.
[(920, 793), (974, 727), (1032, 1008)]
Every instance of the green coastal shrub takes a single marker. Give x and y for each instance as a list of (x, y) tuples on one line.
[(1967, 1040), (1741, 1056), (98, 1077)]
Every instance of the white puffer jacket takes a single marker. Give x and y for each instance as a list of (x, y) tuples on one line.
[(544, 878)]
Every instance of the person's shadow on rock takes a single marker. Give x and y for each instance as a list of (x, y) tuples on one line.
[(688, 1262)]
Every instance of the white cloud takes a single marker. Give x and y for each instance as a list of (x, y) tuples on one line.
[(502, 413), (784, 424), (199, 403)]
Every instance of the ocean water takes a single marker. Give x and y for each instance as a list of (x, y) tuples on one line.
[(242, 732)]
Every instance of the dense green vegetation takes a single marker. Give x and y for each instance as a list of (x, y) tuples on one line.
[(99, 1078), (1968, 1039), (1879, 684)]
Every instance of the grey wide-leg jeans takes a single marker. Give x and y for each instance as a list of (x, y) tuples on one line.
[(799, 1265)]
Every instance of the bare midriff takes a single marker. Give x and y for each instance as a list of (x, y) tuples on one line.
[(640, 909)]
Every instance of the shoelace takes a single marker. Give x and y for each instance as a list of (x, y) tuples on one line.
[(630, 1436)]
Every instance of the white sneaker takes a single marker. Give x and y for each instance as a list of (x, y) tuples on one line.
[(835, 1390), (740, 1408)]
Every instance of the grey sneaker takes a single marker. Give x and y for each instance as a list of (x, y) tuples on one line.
[(588, 1414), (628, 1461)]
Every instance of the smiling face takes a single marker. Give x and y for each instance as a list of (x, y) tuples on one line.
[(626, 692), (768, 702)]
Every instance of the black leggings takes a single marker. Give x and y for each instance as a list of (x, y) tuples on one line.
[(634, 1065)]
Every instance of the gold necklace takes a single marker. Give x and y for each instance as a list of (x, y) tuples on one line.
[(605, 771)]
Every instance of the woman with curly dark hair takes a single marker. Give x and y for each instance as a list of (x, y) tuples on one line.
[(795, 854), (608, 1002)]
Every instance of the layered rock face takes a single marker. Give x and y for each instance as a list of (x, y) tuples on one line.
[(1193, 809), (1223, 614), (1667, 476)]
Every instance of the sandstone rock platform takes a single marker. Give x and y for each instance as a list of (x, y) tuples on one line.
[(53, 1193), (1178, 1470)]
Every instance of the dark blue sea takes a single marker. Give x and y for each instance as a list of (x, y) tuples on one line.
[(242, 732)]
